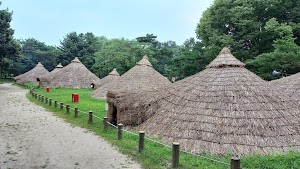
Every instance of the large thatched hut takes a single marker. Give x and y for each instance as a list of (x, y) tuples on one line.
[(74, 75), (141, 77), (45, 80), (32, 75), (288, 86), (101, 84), (223, 109)]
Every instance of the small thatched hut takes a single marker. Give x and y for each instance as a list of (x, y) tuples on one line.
[(288, 86), (113, 75), (223, 109), (110, 78), (45, 80), (74, 75), (141, 77), (32, 75)]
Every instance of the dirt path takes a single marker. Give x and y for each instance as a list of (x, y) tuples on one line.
[(31, 137)]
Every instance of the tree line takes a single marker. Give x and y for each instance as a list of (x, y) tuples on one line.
[(262, 33)]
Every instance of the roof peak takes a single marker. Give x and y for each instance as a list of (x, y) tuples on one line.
[(76, 60), (144, 61), (225, 59), (114, 72), (59, 66), (39, 64)]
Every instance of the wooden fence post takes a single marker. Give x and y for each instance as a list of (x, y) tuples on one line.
[(90, 117), (39, 97), (67, 109), (141, 140), (35, 96), (42, 98), (50, 102), (46, 100), (120, 127), (76, 112), (61, 106), (55, 103), (175, 155), (235, 163), (105, 123)]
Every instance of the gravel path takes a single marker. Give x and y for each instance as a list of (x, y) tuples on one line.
[(31, 137)]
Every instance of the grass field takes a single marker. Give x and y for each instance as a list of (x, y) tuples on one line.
[(155, 156)]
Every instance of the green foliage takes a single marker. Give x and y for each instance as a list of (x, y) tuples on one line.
[(9, 48), (240, 25), (189, 61), (285, 58), (83, 46), (118, 53)]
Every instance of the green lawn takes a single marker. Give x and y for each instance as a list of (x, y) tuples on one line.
[(155, 155)]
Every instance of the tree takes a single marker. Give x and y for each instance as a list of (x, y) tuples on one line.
[(240, 25), (163, 52), (9, 48), (285, 58), (119, 53), (83, 46), (189, 61)]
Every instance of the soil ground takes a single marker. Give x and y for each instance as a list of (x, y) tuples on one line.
[(31, 137)]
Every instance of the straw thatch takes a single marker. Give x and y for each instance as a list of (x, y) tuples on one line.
[(223, 109), (45, 80), (141, 77), (288, 86), (32, 75), (74, 75), (113, 75)]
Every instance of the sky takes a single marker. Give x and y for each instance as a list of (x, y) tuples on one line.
[(50, 21)]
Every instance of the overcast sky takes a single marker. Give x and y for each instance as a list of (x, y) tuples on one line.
[(50, 20)]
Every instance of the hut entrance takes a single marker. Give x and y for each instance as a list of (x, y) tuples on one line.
[(114, 115)]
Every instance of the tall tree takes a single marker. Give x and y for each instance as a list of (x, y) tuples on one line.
[(83, 46), (190, 60), (9, 48), (240, 24), (118, 53), (285, 57)]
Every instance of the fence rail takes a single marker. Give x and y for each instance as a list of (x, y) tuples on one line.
[(234, 163)]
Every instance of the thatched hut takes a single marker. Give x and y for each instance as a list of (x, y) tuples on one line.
[(223, 109), (142, 77), (288, 86), (113, 75), (45, 80), (74, 75), (110, 78), (32, 75)]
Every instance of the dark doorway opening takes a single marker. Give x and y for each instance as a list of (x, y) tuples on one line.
[(114, 115)]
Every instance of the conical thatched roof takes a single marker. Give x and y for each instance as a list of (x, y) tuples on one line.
[(141, 77), (74, 75), (288, 86), (110, 78), (57, 68), (113, 75), (32, 75), (223, 109), (45, 80)]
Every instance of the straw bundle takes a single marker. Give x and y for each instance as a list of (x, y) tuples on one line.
[(32, 75), (74, 75), (223, 109), (288, 86), (44, 80)]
